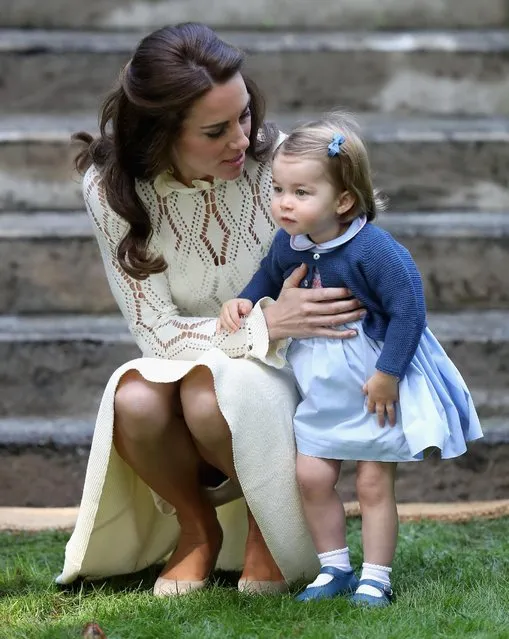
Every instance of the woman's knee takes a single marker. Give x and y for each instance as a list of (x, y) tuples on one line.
[(200, 408), (143, 409), (375, 482)]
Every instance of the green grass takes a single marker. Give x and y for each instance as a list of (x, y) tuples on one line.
[(452, 580)]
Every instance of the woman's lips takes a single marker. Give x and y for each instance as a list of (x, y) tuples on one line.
[(238, 160)]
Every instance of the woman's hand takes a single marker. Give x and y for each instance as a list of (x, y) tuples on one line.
[(231, 313), (313, 312), (382, 392)]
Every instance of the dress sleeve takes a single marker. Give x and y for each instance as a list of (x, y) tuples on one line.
[(393, 275), (154, 320)]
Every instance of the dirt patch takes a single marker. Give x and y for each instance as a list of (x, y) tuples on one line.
[(42, 477)]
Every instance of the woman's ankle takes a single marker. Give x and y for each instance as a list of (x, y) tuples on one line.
[(259, 565), (199, 522)]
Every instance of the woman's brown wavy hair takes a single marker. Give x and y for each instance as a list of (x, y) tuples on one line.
[(141, 120)]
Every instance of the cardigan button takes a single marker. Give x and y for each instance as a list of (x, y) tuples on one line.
[(316, 256)]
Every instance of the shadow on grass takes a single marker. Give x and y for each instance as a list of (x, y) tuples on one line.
[(139, 582)]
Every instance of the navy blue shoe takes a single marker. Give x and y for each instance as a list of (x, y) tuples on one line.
[(342, 583), (360, 599)]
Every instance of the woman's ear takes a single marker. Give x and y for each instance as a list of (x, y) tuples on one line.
[(345, 203)]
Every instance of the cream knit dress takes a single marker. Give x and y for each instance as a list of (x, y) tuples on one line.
[(213, 237)]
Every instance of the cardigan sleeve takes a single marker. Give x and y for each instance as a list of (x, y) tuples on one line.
[(268, 279), (153, 319), (393, 276)]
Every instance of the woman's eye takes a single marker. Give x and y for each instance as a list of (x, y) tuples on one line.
[(215, 134), (245, 115)]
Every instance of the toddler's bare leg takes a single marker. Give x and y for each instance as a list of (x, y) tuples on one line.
[(323, 509), (375, 491)]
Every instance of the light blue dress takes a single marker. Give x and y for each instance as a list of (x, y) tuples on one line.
[(435, 410)]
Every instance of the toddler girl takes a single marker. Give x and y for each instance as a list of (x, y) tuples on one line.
[(389, 395)]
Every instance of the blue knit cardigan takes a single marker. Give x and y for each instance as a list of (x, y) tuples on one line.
[(381, 274)]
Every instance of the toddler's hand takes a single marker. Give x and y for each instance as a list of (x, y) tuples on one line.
[(382, 392), (231, 313)]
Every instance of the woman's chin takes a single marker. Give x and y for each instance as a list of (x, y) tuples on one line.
[(231, 172)]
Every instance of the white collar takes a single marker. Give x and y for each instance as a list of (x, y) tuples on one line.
[(304, 243), (165, 183)]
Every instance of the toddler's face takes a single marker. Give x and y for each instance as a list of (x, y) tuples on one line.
[(304, 202)]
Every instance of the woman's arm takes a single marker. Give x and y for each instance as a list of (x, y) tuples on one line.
[(153, 319)]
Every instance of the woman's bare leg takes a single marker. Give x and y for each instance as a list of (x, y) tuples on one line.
[(151, 436), (214, 442), (375, 491)]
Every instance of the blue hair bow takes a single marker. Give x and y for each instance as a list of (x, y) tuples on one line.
[(334, 147)]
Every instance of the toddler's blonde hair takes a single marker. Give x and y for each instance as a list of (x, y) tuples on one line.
[(347, 171)]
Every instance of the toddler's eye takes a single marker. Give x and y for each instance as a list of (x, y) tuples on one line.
[(277, 189), (300, 192)]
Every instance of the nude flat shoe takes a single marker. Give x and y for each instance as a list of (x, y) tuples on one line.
[(251, 587), (174, 588)]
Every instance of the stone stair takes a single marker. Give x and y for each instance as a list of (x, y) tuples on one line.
[(262, 15), (447, 72), (424, 163), (430, 82)]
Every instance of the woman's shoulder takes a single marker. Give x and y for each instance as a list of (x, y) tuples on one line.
[(93, 190), (100, 212), (92, 178)]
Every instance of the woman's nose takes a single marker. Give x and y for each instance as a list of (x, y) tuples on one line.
[(240, 140)]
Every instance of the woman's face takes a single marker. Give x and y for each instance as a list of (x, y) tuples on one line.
[(215, 135)]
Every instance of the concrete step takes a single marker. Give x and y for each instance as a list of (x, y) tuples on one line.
[(43, 463), (420, 163), (51, 263), (59, 365), (442, 72), (263, 14), (60, 433)]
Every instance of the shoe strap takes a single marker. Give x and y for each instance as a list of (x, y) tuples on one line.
[(335, 572), (386, 590)]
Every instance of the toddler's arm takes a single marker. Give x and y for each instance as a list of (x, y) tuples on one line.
[(395, 280)]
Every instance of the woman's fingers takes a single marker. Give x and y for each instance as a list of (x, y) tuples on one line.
[(293, 280), (330, 294), (324, 331), (336, 319)]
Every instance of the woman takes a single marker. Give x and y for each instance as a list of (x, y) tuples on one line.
[(178, 189)]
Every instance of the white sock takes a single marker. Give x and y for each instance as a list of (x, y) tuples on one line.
[(339, 558), (378, 573)]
